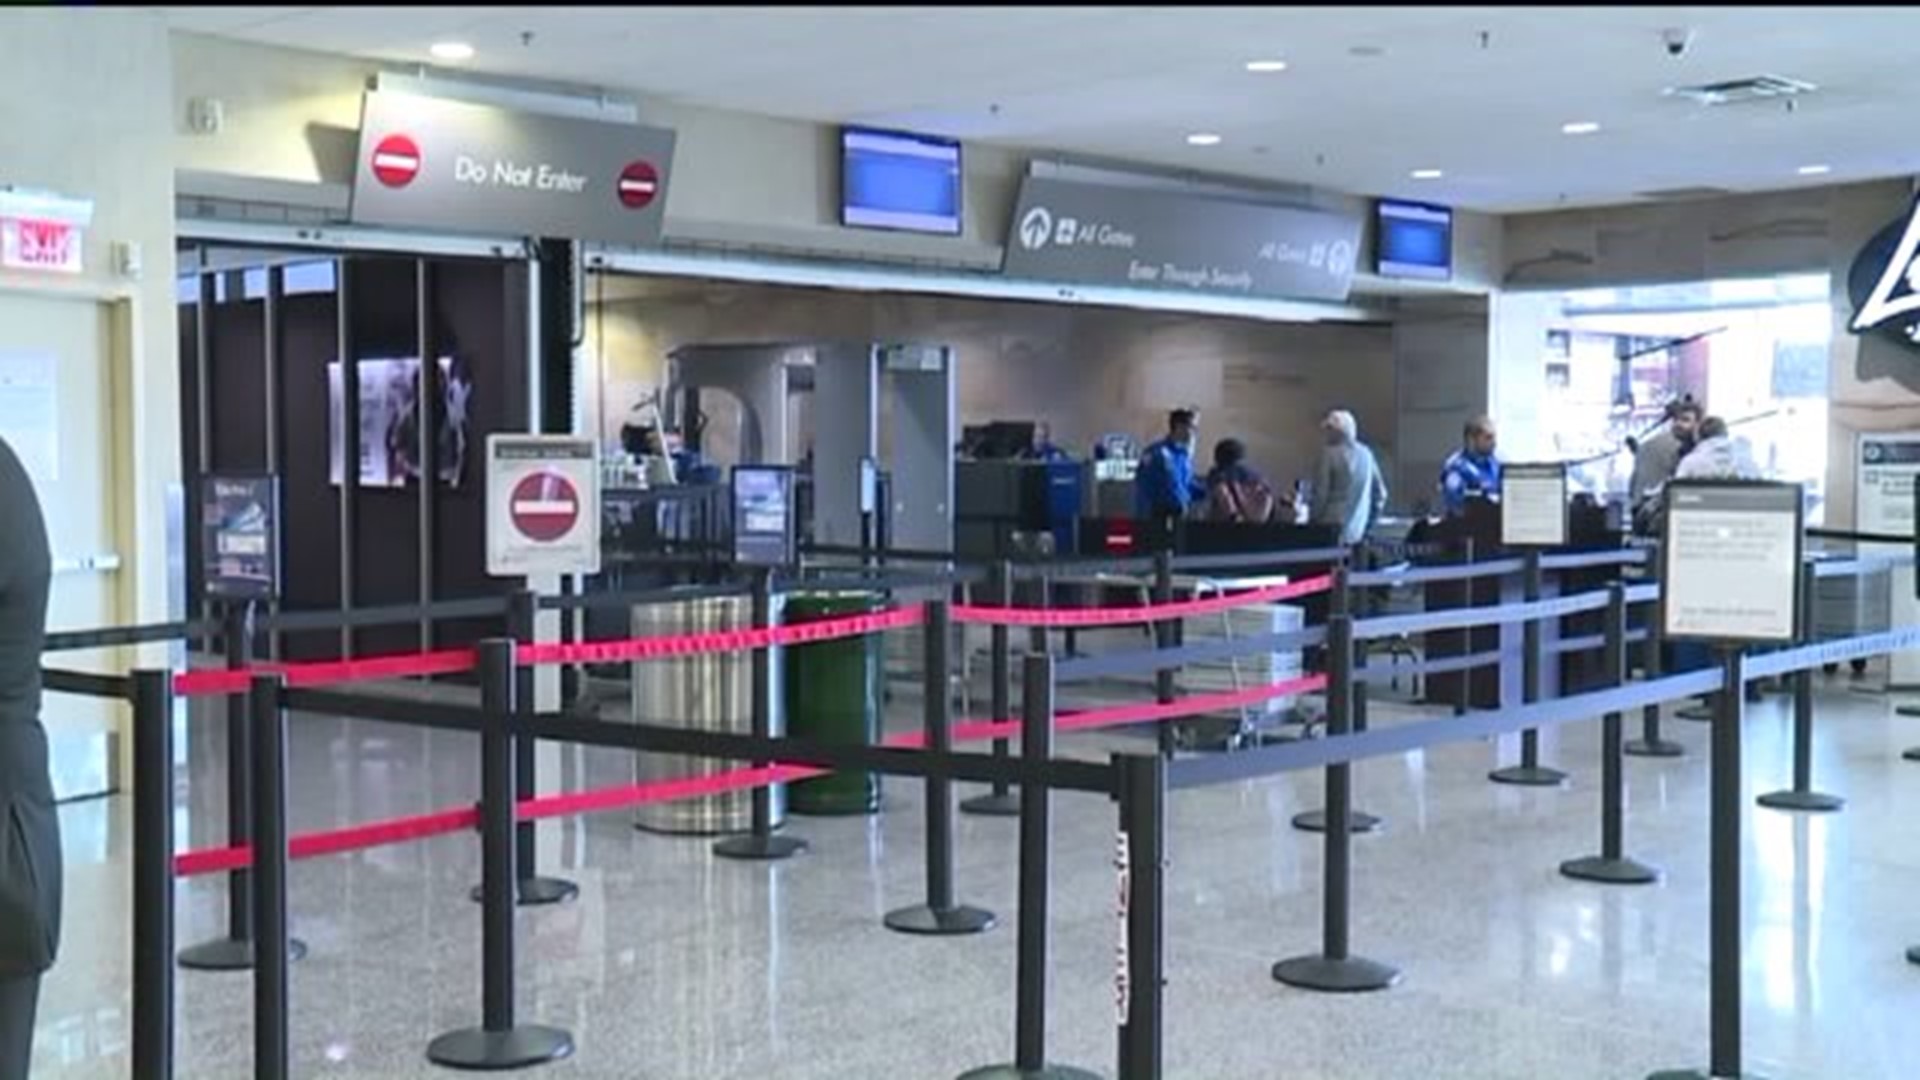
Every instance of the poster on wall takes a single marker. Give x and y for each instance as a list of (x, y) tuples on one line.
[(1883, 499), (390, 419)]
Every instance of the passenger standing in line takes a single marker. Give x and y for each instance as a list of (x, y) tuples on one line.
[(1236, 493), (1718, 456), (1655, 461), (1349, 491), (1471, 470), (1164, 488), (30, 862)]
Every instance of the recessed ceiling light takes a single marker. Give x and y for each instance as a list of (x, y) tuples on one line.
[(1815, 170), (1579, 127), (1263, 67), (1426, 174), (1203, 138), (451, 50)]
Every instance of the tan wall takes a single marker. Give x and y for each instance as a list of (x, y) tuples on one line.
[(1087, 370)]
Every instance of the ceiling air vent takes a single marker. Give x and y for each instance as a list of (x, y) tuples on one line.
[(1678, 193), (1736, 91)]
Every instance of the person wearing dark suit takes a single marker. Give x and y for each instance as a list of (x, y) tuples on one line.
[(30, 861)]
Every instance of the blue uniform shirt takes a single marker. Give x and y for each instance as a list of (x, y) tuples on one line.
[(1164, 485), (1464, 474)]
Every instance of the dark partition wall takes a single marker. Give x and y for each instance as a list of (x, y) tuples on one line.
[(476, 314)]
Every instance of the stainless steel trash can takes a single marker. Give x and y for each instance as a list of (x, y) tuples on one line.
[(710, 692)]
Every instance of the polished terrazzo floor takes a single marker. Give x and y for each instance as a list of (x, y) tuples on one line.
[(676, 966)]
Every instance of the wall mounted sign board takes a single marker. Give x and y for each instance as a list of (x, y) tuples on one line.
[(1884, 283), (436, 163), (543, 506), (763, 525), (240, 536), (1533, 505), (1884, 492), (1095, 234), (1730, 562)]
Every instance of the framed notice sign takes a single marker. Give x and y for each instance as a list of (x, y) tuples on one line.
[(240, 537), (543, 505), (763, 526), (1730, 562), (1533, 505)]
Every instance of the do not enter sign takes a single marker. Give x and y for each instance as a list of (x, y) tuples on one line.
[(543, 505)]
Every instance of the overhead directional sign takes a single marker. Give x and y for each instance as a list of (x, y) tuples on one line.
[(428, 162), (1096, 234), (543, 505)]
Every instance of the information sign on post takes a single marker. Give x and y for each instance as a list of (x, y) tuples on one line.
[(543, 505), (1730, 562), (240, 537), (1533, 505), (763, 526)]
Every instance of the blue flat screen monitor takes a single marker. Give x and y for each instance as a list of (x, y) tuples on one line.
[(1412, 240), (894, 180)]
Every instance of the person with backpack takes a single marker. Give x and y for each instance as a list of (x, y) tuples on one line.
[(1236, 493)]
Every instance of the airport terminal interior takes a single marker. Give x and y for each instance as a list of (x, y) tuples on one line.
[(967, 543)]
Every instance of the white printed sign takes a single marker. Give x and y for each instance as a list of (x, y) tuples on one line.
[(1533, 505), (1731, 561), (1883, 499), (543, 505)]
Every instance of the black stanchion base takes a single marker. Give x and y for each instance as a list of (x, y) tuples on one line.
[(493, 1051), (759, 848), (1015, 1072), (1911, 755), (934, 922), (1699, 1074), (1315, 821), (1354, 975), (1906, 710), (1913, 955), (227, 954), (1005, 804), (1653, 748), (1605, 871), (1702, 714), (1528, 776), (535, 892), (1808, 801)]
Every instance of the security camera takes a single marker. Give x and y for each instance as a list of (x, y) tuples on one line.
[(1677, 41)]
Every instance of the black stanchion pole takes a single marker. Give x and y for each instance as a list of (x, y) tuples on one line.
[(1002, 801), (1164, 637), (1650, 743), (1334, 969), (1611, 866), (1465, 704), (271, 1054), (152, 1049), (1530, 773), (1802, 797), (500, 1042), (234, 952), (761, 845), (1141, 862), (940, 915), (523, 607), (1340, 603), (1729, 707), (1036, 843)]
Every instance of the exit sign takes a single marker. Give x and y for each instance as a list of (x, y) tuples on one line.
[(34, 244)]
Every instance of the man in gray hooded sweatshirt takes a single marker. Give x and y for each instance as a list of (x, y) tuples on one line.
[(1348, 490)]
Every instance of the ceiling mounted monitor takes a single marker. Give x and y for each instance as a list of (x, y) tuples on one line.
[(1413, 240), (895, 180)]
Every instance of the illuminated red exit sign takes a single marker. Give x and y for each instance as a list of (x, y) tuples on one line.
[(32, 244)]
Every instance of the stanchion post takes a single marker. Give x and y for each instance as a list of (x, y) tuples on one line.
[(1340, 605), (1334, 969), (152, 1049), (1036, 843), (523, 608), (500, 1042), (1465, 704), (234, 952), (1140, 857), (940, 915), (1163, 638), (1651, 743), (1530, 773), (1002, 801), (271, 1054), (1801, 797), (1729, 706), (1611, 866), (761, 845)]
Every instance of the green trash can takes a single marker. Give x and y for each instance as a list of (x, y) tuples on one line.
[(833, 693)]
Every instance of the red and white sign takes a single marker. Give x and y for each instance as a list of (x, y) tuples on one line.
[(31, 244), (639, 183), (396, 161), (543, 506)]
